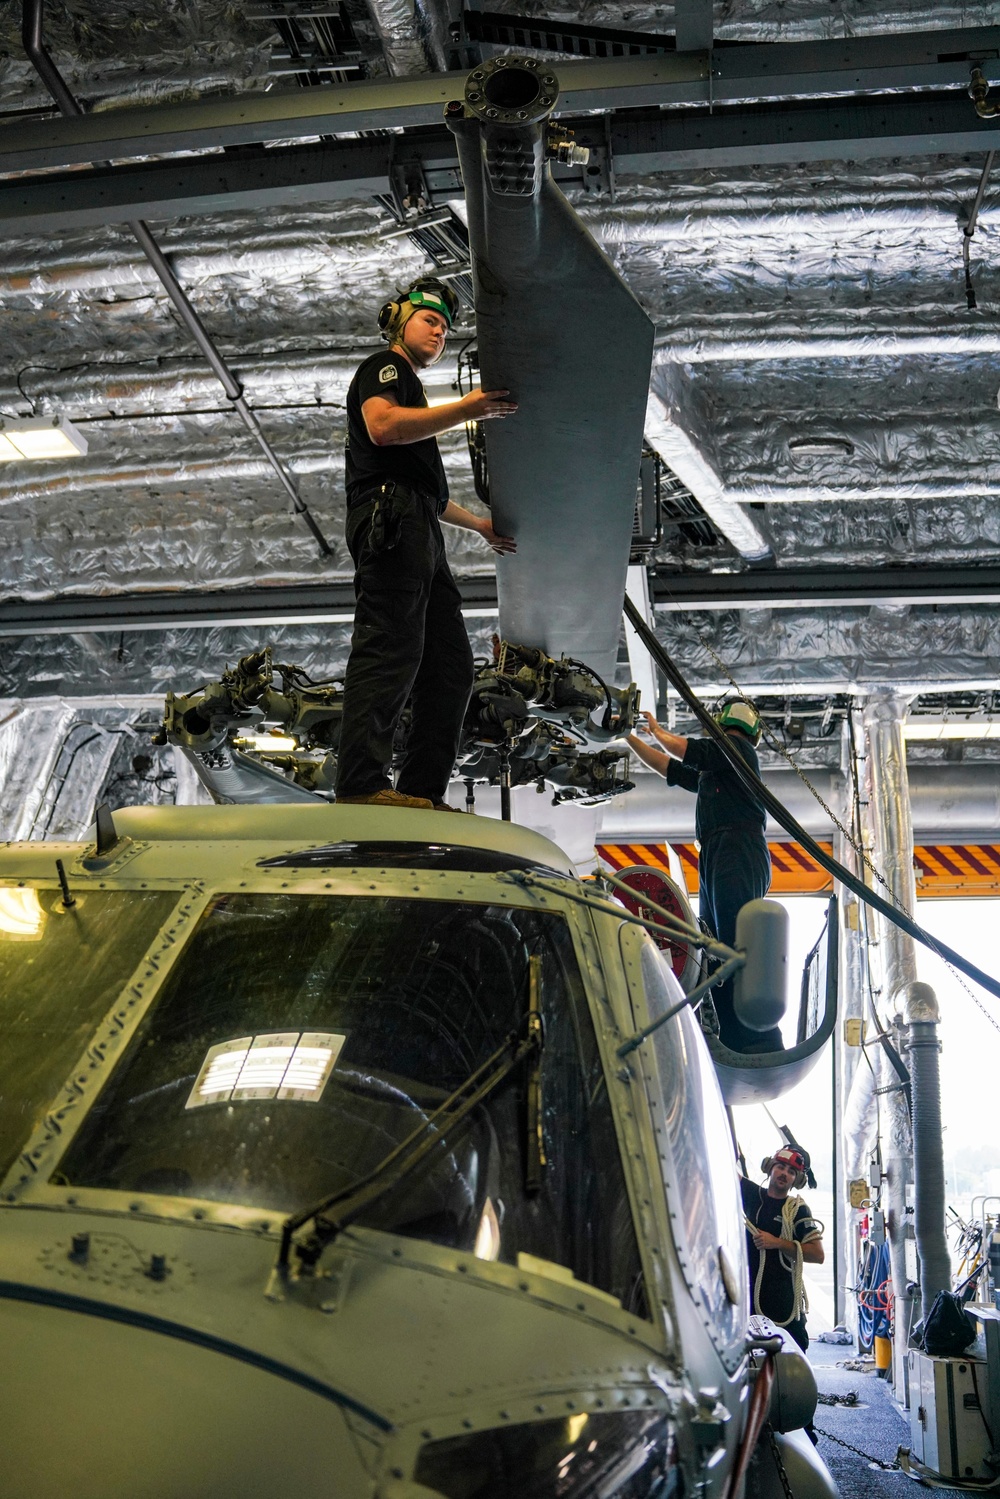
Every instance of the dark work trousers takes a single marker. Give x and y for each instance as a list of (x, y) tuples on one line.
[(409, 644), (734, 866)]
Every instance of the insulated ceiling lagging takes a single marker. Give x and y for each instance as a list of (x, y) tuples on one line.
[(789, 302), (768, 20), (120, 52)]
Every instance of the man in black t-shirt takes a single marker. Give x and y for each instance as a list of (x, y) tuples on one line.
[(734, 865), (409, 641), (781, 1235)]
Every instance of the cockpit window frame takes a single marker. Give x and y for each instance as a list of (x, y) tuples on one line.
[(49, 1145), (632, 941)]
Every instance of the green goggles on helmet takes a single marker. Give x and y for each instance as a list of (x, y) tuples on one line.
[(429, 300), (738, 715)]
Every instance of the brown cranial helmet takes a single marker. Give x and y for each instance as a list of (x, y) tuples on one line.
[(791, 1156)]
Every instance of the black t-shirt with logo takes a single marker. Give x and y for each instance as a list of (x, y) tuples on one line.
[(776, 1298), (723, 800), (416, 464)]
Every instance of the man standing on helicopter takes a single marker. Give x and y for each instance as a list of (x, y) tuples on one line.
[(409, 642)]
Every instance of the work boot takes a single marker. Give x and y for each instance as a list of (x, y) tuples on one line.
[(387, 797)]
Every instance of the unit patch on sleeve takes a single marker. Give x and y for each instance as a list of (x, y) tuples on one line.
[(388, 374)]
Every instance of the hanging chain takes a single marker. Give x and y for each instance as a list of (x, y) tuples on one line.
[(776, 1454), (869, 1457)]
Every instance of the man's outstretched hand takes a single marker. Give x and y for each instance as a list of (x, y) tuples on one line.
[(502, 545), (485, 405)]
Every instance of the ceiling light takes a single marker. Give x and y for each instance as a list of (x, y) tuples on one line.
[(40, 437), (951, 728), (820, 447)]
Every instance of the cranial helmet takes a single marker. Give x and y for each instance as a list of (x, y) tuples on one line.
[(737, 714), (426, 291), (792, 1156)]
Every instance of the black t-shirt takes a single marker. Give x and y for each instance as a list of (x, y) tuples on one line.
[(775, 1294), (723, 800), (415, 464)]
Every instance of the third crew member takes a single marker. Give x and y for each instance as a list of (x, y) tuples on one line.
[(781, 1234)]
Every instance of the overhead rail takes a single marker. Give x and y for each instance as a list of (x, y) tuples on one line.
[(923, 62), (333, 601), (259, 177), (783, 817), (32, 37)]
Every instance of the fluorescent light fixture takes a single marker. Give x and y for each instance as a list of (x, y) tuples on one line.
[(951, 728), (820, 447), (40, 437), (282, 1064), (21, 914)]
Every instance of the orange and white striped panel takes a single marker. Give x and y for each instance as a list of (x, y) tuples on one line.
[(793, 871), (956, 870), (627, 855), (943, 871)]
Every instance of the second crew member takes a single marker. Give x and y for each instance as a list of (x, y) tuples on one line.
[(734, 865)]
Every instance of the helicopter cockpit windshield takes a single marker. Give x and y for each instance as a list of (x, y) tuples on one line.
[(300, 1039)]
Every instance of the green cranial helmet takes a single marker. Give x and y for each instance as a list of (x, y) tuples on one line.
[(739, 715), (426, 292)]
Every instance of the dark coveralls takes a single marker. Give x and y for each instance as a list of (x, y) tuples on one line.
[(771, 1284), (734, 865), (409, 641)]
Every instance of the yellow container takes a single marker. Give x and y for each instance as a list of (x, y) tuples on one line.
[(883, 1352)]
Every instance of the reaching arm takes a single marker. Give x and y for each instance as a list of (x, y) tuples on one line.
[(654, 758), (391, 425), (456, 515), (674, 744)]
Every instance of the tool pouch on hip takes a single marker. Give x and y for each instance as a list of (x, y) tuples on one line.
[(387, 520)]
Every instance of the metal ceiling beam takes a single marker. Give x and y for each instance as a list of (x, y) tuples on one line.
[(924, 62), (812, 588), (822, 130), (299, 604), (316, 603), (256, 178)]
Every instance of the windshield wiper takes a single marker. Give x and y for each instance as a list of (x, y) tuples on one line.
[(535, 1143), (349, 1203)]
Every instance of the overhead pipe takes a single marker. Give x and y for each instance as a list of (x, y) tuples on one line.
[(670, 436), (32, 37), (892, 839)]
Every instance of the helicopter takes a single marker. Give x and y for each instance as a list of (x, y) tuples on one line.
[(332, 1165)]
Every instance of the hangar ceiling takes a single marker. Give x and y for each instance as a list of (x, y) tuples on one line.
[(823, 391)]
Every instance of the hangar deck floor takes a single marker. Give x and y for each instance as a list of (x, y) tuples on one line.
[(875, 1424)]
